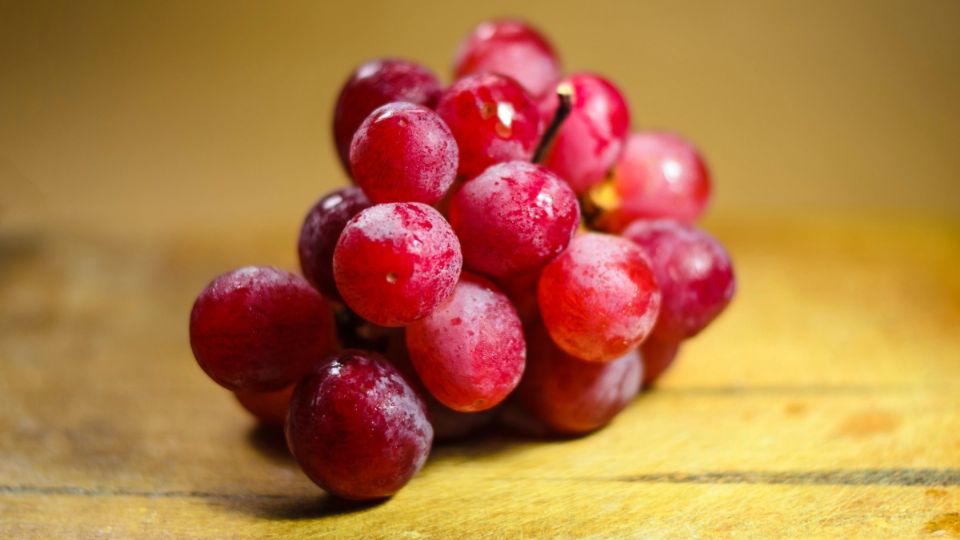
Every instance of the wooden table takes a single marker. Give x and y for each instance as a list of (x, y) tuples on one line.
[(824, 403)]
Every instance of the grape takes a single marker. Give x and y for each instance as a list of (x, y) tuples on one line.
[(659, 175), (493, 120), (521, 289), (404, 152), (571, 396), (270, 408), (513, 218), (448, 424), (657, 356), (470, 351), (510, 48), (396, 262), (694, 272), (319, 234), (592, 137), (377, 83), (598, 299), (357, 428), (258, 329), (355, 332)]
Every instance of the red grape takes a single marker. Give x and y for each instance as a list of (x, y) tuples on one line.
[(377, 83), (657, 356), (693, 270), (447, 423), (357, 428), (592, 137), (659, 175), (270, 408), (571, 396), (598, 299), (493, 120), (404, 152), (513, 218), (521, 289), (258, 329), (396, 262), (470, 351), (319, 234), (510, 48)]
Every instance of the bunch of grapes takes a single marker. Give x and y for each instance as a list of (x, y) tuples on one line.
[(507, 245)]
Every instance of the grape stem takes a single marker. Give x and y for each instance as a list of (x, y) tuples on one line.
[(564, 95)]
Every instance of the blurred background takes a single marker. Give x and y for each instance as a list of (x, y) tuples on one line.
[(140, 118)]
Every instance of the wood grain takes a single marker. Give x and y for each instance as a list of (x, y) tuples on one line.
[(826, 402)]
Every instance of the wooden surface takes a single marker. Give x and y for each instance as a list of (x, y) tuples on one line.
[(826, 402)]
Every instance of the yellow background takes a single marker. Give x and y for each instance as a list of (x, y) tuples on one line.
[(131, 117)]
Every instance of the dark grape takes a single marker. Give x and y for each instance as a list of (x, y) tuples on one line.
[(319, 234), (357, 428)]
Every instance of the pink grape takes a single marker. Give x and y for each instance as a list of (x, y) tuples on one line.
[(404, 153), (396, 262), (572, 396), (598, 299), (659, 175), (377, 83), (592, 137), (513, 218), (510, 48), (470, 351), (694, 272), (493, 120)]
